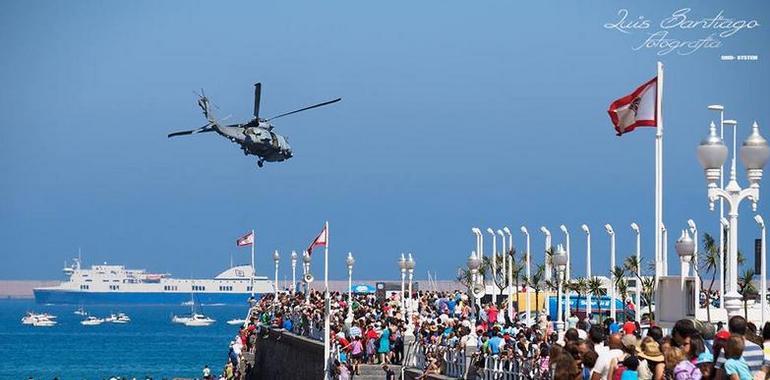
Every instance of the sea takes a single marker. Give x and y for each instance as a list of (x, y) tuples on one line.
[(149, 346)]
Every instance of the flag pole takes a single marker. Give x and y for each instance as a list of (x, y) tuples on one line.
[(326, 303), (661, 267), (253, 243)]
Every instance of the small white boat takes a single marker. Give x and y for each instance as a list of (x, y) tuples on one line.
[(120, 318), (236, 321), (80, 311), (43, 322), (30, 318), (198, 320), (92, 321)]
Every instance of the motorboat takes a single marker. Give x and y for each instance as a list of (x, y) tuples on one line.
[(44, 322), (198, 320), (236, 322), (80, 311), (92, 321), (120, 318), (31, 317)]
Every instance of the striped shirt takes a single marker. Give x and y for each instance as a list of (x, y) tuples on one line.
[(752, 354)]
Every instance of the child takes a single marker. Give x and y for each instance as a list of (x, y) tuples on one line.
[(631, 362), (735, 366)]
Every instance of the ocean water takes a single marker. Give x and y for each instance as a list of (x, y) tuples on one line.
[(149, 345)]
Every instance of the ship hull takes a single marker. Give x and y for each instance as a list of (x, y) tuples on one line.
[(70, 297)]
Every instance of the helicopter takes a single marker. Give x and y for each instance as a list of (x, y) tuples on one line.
[(255, 137)]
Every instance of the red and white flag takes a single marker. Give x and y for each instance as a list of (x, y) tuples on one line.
[(637, 109), (320, 241), (246, 240)]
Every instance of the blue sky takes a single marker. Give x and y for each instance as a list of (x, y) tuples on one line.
[(454, 114)]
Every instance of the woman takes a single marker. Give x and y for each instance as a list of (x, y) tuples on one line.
[(651, 363), (384, 349)]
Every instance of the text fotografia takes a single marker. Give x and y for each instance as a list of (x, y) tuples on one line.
[(661, 36)]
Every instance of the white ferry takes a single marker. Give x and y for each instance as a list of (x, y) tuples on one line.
[(116, 285)]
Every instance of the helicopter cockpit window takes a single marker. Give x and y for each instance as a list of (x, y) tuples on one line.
[(276, 144)]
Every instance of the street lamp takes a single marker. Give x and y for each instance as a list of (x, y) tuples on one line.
[(563, 229), (307, 277), (293, 271), (504, 256), (526, 254), (350, 261), (637, 311), (276, 257), (694, 231), (754, 153), (560, 262), (402, 266), (473, 265), (611, 232), (509, 258), (762, 267), (547, 234), (588, 268), (410, 269), (494, 259), (479, 245), (685, 248)]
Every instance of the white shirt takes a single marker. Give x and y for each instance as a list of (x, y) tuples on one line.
[(602, 366)]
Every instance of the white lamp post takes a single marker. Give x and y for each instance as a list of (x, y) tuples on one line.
[(350, 261), (588, 268), (527, 263), (721, 109), (402, 266), (638, 301), (509, 258), (494, 261), (479, 248), (504, 256), (276, 257), (611, 232), (560, 262), (567, 277), (473, 265), (754, 153), (293, 271), (410, 268), (306, 266), (694, 231), (762, 267), (547, 234)]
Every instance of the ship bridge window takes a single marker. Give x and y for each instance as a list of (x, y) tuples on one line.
[(114, 287), (83, 287), (226, 288), (89, 280)]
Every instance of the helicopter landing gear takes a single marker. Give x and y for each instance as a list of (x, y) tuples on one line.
[(260, 163)]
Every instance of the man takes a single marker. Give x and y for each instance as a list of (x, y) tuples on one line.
[(206, 372), (596, 335), (355, 330), (389, 373), (601, 370), (496, 343), (752, 353)]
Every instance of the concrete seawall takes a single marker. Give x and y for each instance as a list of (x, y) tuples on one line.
[(282, 355)]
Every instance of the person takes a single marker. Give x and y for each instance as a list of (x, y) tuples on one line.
[(735, 366), (589, 361), (601, 370), (752, 353), (384, 349), (651, 365), (766, 341), (631, 364), (206, 372), (572, 321)]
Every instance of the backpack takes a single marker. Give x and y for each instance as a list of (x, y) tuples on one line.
[(619, 371)]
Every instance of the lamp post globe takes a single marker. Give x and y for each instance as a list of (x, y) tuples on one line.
[(754, 154), (350, 261), (712, 153), (276, 256), (685, 246)]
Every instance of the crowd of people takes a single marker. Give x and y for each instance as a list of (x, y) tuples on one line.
[(449, 330)]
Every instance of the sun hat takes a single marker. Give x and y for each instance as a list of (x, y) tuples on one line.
[(650, 350), (629, 341)]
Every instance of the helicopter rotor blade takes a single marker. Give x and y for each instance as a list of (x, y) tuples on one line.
[(305, 109), (257, 95), (205, 128)]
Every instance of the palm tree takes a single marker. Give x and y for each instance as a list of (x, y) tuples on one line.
[(580, 287), (536, 282), (596, 288), (746, 288), (708, 262), (516, 273), (618, 281), (648, 294)]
